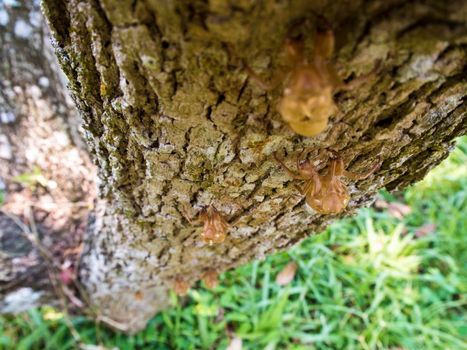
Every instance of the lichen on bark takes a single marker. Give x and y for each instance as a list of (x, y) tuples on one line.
[(173, 122)]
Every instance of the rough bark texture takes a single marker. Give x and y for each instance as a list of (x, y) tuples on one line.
[(172, 122), (45, 172)]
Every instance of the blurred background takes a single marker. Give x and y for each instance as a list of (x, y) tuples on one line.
[(392, 277)]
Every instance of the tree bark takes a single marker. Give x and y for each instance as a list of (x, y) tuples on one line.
[(174, 125)]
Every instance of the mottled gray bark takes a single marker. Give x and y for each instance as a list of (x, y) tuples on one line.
[(173, 122)]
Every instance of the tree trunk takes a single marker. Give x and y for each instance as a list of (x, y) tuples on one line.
[(175, 125)]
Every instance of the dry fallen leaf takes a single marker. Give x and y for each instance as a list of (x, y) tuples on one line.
[(399, 210), (348, 259), (67, 275), (220, 314), (287, 274), (235, 344), (425, 230), (381, 204), (94, 347)]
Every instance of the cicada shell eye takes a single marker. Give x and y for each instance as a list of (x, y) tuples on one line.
[(290, 109)]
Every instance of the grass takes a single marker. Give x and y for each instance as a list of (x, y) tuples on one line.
[(369, 282)]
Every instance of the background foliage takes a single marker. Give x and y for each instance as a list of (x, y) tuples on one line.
[(393, 277)]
